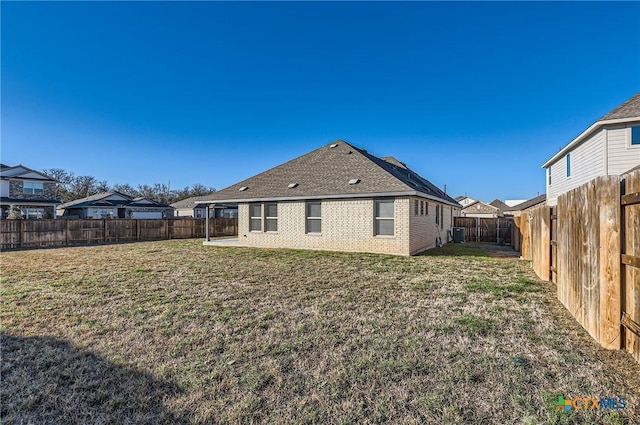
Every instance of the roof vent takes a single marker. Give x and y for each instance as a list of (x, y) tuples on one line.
[(354, 181), (292, 185), (243, 188), (333, 145)]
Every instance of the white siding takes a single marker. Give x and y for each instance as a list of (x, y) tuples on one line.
[(622, 155), (4, 188), (587, 163)]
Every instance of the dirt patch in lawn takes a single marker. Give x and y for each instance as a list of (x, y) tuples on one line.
[(174, 332)]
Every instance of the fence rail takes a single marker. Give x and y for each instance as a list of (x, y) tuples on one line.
[(589, 245), (61, 232)]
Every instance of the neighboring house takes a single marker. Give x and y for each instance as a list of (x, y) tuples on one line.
[(480, 209), (340, 197), (464, 200), (114, 204), (517, 210), (188, 208), (610, 146), (501, 206), (28, 191)]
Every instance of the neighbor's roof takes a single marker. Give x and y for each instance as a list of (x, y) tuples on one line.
[(528, 204), (479, 207), (99, 199), (326, 172), (627, 112), (499, 205), (20, 171), (187, 202)]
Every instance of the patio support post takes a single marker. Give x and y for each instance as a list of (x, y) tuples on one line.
[(206, 223)]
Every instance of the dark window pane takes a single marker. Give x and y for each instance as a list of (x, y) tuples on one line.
[(384, 227), (314, 226), (314, 209), (255, 224), (254, 210), (635, 135), (270, 210), (271, 225), (384, 209)]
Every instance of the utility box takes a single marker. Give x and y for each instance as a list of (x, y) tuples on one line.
[(458, 234)]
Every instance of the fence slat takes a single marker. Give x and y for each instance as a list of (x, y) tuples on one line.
[(60, 232)]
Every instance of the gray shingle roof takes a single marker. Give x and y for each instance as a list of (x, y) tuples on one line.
[(94, 198), (186, 203), (528, 204), (499, 204), (629, 109), (326, 172)]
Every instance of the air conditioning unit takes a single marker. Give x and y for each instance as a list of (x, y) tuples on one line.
[(458, 234)]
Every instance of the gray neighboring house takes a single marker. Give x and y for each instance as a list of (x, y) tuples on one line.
[(114, 204), (480, 209), (342, 198), (517, 210), (610, 146), (31, 192), (189, 208)]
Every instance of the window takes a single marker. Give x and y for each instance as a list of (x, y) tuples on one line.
[(271, 217), (255, 217), (33, 188), (421, 207), (417, 208), (437, 214), (549, 176), (33, 213), (426, 207), (568, 165), (314, 217), (441, 217), (384, 214), (635, 135), (101, 213)]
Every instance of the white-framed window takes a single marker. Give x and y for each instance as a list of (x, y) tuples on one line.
[(314, 217), (255, 217), (33, 188), (32, 213), (421, 207), (549, 176), (384, 217), (101, 213), (271, 217), (437, 213), (568, 165)]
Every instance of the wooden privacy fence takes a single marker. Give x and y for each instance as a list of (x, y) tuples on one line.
[(61, 232), (492, 230), (589, 244)]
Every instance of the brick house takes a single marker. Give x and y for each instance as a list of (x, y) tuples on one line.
[(30, 192), (342, 198)]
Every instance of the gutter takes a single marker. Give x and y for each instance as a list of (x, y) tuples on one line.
[(340, 196)]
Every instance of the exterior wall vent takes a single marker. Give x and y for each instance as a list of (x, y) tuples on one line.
[(243, 188), (333, 145), (354, 181), (292, 185)]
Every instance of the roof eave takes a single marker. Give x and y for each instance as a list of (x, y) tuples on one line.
[(595, 126), (333, 196)]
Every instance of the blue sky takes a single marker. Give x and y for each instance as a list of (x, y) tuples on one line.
[(472, 95)]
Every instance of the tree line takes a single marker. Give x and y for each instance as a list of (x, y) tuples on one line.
[(72, 187)]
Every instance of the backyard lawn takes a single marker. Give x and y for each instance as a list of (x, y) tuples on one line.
[(177, 333)]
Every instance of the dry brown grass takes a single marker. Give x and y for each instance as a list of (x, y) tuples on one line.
[(174, 332)]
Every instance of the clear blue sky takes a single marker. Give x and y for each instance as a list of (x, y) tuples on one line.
[(472, 95)]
